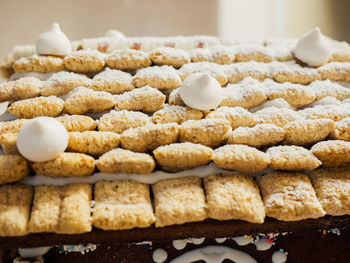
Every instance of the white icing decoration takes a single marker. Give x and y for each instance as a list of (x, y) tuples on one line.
[(243, 240), (179, 244), (115, 34), (159, 255), (221, 239), (313, 48), (33, 252), (42, 139), (20, 51), (53, 42), (263, 244), (152, 178), (214, 254), (201, 91), (279, 257), (196, 241)]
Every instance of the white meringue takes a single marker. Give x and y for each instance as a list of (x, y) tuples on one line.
[(53, 42), (313, 48), (42, 139), (201, 91), (114, 33)]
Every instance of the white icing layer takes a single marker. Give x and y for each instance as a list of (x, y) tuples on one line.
[(33, 252), (263, 244), (243, 240), (159, 255), (313, 48), (53, 42), (152, 178), (42, 139), (220, 240), (279, 257), (201, 91), (214, 254), (179, 244)]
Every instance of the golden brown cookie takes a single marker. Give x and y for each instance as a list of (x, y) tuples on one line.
[(23, 88), (327, 88), (164, 77), (342, 130), (237, 116), (11, 126), (277, 116), (12, 168), (240, 158), (216, 54), (122, 205), (238, 71), (66, 164), (333, 190), (8, 143), (62, 83), (258, 136), (125, 161), (175, 113), (35, 107), (252, 52), (112, 81), (77, 123), (149, 137), (175, 98), (332, 112), (179, 201), (292, 158), (208, 132), (145, 99), (83, 100), (334, 153), (289, 196), (182, 156), (94, 143), (37, 63), (15, 201), (84, 61), (128, 59), (335, 71), (119, 121), (234, 197), (169, 56), (303, 132)]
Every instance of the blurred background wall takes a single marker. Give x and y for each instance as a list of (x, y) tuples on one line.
[(22, 21)]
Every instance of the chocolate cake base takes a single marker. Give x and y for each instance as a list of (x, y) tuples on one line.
[(306, 241)]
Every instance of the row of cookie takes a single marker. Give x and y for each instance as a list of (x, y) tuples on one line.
[(126, 204), (211, 132), (181, 156)]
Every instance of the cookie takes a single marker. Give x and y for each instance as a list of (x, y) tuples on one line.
[(15, 201), (35, 107), (238, 71), (332, 153), (149, 137), (332, 112), (335, 71), (37, 63), (294, 73), (164, 77), (122, 205), (77, 123), (67, 165), (304, 132), (125, 161), (333, 190), (258, 136), (12, 168), (277, 116), (208, 132), (277, 103), (251, 52), (179, 201), (112, 81), (240, 158), (342, 130), (175, 113), (182, 156), (23, 88), (119, 121), (234, 197), (145, 99), (84, 61), (327, 88), (83, 100), (11, 126), (214, 70), (292, 158), (175, 98), (169, 56), (289, 196), (237, 116), (215, 54), (62, 83), (94, 143), (128, 59), (8, 143)]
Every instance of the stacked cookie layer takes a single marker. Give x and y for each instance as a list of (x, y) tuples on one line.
[(281, 136)]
